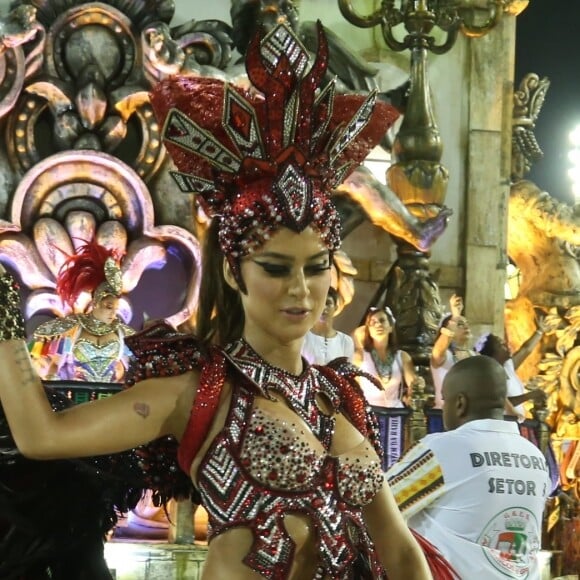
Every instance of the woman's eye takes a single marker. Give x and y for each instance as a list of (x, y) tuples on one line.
[(316, 269), (281, 270), (277, 270)]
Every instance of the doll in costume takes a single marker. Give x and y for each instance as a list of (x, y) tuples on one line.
[(284, 455)]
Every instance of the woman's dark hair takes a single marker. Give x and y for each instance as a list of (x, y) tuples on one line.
[(220, 316), (368, 341)]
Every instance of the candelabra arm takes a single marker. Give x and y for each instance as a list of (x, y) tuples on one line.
[(355, 18), (392, 42), (445, 46)]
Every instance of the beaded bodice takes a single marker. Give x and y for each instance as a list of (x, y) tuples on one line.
[(73, 342), (99, 363), (272, 457), (298, 391)]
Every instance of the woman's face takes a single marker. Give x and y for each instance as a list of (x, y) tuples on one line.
[(379, 326), (462, 332), (106, 309), (499, 349), (287, 281)]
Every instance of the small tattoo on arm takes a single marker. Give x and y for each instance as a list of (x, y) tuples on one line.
[(142, 409)]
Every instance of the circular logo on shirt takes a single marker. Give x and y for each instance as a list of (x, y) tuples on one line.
[(510, 541)]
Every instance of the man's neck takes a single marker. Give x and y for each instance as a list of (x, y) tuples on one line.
[(495, 414)]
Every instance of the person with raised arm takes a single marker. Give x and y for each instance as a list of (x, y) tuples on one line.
[(451, 345), (491, 345)]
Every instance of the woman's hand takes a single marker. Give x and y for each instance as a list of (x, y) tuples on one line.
[(456, 305), (541, 326), (2, 269)]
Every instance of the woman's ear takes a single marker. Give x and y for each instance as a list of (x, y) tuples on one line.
[(229, 276)]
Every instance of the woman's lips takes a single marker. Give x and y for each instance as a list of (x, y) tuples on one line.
[(296, 312)]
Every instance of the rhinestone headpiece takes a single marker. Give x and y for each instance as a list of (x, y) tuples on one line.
[(268, 156)]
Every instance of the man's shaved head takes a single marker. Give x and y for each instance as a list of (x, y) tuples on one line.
[(474, 388)]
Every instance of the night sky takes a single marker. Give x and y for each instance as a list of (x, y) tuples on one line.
[(548, 43)]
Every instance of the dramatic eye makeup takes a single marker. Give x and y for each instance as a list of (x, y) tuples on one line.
[(279, 265)]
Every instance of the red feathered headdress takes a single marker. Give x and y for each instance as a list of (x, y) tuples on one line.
[(268, 157), (94, 269)]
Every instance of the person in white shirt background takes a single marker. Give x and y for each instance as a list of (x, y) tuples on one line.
[(477, 491), (451, 345), (493, 346), (379, 356), (323, 342)]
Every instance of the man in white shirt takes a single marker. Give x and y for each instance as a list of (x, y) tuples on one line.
[(477, 491)]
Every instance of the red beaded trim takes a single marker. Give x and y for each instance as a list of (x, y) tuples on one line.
[(211, 381)]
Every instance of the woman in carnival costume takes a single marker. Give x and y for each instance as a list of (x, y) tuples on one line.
[(88, 346), (284, 455)]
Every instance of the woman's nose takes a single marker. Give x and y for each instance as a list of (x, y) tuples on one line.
[(298, 284)]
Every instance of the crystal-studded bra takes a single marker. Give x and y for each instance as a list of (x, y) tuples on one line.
[(262, 465)]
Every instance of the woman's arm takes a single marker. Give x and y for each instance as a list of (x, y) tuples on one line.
[(138, 415), (126, 420), (398, 551), (446, 334), (442, 344), (528, 346), (538, 396)]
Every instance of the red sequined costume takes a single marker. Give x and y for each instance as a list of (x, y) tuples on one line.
[(260, 468)]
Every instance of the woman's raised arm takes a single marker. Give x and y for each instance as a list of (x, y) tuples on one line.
[(126, 420), (138, 415)]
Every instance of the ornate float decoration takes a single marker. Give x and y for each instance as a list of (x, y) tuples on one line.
[(82, 154), (544, 245)]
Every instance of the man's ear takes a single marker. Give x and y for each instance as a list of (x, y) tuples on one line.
[(229, 276), (461, 405)]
